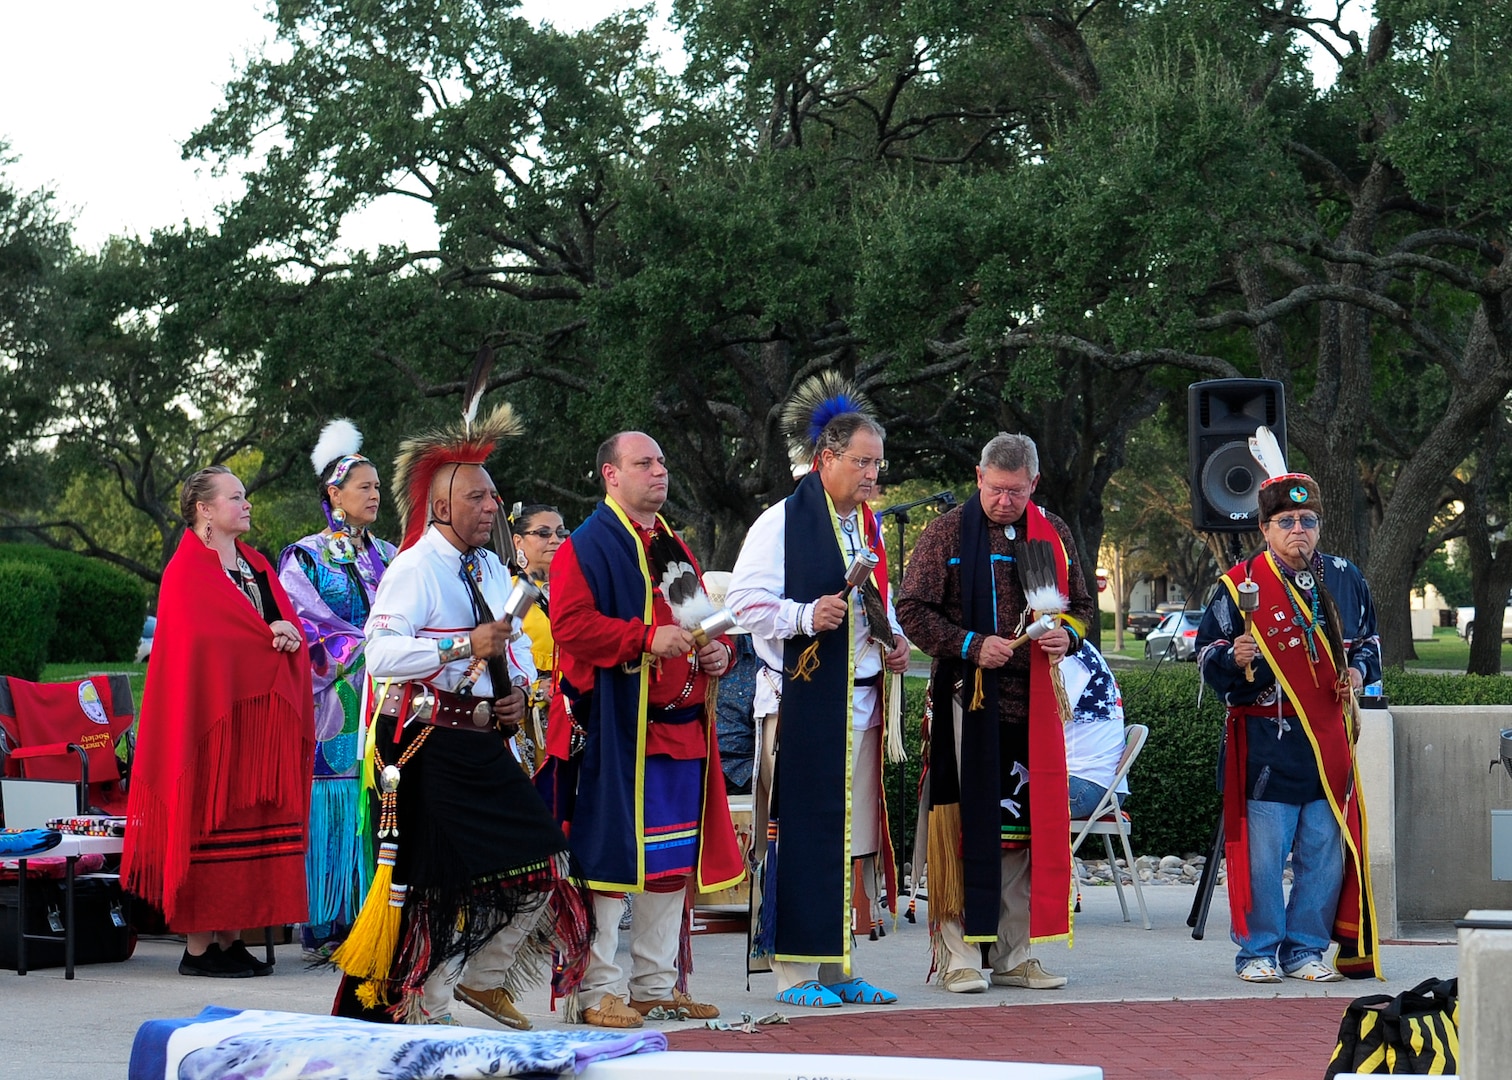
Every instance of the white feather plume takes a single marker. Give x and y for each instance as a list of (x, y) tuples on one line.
[(1267, 452), (337, 439), (685, 595), (1046, 600)]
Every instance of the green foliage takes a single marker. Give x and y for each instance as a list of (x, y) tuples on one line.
[(1173, 786), (1452, 579), (28, 613), (100, 607), (1412, 688)]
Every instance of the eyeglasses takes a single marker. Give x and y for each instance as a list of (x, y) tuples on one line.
[(561, 532), (1289, 521), (1014, 493), (866, 464)]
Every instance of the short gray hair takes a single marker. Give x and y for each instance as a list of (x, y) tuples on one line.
[(839, 432), (1011, 452)]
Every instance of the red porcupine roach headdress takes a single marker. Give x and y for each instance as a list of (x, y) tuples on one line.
[(422, 457)]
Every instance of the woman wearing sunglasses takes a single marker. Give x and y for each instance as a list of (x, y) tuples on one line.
[(537, 532)]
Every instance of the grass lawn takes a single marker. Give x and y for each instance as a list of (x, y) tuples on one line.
[(1449, 652), (70, 672), (1446, 652)]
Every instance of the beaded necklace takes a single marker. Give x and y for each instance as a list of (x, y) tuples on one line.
[(245, 583), (1299, 619)]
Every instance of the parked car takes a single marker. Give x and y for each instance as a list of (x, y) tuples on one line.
[(1175, 637), (1140, 623), (1465, 622), (144, 646)]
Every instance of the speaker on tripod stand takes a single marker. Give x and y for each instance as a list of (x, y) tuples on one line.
[(1221, 416)]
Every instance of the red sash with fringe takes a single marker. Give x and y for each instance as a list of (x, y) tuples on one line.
[(220, 790), (1309, 688), (1049, 803)]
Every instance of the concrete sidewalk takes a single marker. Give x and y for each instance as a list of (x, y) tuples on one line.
[(1185, 1013)]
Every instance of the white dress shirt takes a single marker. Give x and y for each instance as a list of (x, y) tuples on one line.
[(423, 599), (756, 597)]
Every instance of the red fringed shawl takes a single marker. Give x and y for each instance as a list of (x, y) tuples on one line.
[(219, 799)]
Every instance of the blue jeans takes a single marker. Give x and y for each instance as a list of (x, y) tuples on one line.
[(1291, 931), (1085, 795)]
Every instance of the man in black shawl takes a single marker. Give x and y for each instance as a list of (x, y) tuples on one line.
[(821, 762), (999, 840)]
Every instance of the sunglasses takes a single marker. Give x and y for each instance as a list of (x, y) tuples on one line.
[(1289, 521), (561, 532)]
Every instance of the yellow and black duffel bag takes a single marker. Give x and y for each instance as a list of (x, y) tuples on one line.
[(1415, 1033)]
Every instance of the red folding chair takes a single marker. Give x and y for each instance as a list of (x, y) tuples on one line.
[(69, 732)]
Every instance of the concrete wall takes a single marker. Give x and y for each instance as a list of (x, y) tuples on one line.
[(1375, 754), (1445, 792)]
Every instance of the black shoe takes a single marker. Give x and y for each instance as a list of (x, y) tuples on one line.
[(237, 954), (212, 964)]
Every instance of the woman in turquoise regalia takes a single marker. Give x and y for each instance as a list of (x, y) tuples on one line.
[(331, 576)]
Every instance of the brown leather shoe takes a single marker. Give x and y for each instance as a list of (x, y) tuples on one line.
[(612, 1012), (679, 1003), (495, 1003)]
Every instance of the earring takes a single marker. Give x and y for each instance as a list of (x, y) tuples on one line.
[(520, 559), (207, 532), (338, 515)]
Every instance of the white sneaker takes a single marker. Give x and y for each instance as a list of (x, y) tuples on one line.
[(1315, 971), (1261, 970)]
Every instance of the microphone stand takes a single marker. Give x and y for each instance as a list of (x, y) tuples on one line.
[(944, 499)]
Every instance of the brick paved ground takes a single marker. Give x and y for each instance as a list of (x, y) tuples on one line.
[(1238, 1039)]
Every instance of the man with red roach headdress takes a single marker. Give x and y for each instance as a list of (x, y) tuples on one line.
[(480, 894), (1287, 642)]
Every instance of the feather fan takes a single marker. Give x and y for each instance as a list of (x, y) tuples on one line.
[(685, 595), (1267, 452), (1037, 576), (816, 402), (338, 439)]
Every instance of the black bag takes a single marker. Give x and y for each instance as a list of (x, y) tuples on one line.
[(102, 934), (1415, 1033)]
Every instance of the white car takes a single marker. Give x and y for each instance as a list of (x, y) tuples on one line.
[(1465, 622)]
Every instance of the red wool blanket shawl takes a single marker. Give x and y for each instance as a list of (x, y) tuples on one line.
[(219, 798)]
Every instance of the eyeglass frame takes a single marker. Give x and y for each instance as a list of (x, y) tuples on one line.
[(1287, 522), (561, 532), (863, 463)]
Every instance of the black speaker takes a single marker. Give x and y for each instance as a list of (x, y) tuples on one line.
[(1221, 416)]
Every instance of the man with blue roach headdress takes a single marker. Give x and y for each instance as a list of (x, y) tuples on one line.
[(811, 586)]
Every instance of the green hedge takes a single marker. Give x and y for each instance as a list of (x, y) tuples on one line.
[(100, 607), (1173, 785), (1410, 688), (28, 615)]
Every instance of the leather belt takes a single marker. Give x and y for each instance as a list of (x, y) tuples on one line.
[(439, 708), (874, 679)]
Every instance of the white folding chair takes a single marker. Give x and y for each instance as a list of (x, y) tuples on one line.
[(1108, 821)]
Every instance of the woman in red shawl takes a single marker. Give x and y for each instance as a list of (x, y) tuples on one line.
[(219, 802)]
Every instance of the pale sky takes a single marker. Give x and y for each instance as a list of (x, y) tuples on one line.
[(96, 97)]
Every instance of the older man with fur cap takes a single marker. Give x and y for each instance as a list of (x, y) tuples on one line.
[(1287, 642)]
